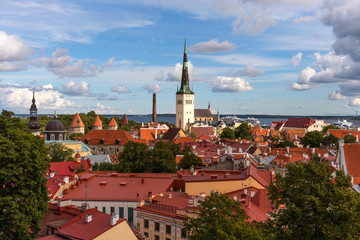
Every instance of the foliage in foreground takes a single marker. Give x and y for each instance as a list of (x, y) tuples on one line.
[(23, 191)]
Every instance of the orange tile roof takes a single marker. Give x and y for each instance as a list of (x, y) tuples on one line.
[(341, 133), (147, 133), (184, 140), (124, 120), (352, 153), (107, 137), (113, 123), (76, 122), (97, 122)]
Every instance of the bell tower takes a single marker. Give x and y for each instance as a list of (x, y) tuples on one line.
[(33, 124), (184, 98)]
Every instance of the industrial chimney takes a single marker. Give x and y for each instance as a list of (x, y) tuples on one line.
[(154, 108)]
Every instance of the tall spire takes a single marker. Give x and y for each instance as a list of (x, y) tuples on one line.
[(33, 123), (185, 86)]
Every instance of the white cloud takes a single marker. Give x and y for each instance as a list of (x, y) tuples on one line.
[(213, 46), (308, 18), (354, 102), (120, 89), (174, 75), (249, 70), (108, 64), (296, 59), (6, 66), (300, 87), (76, 89), (230, 84), (336, 95), (152, 89), (12, 48), (303, 82)]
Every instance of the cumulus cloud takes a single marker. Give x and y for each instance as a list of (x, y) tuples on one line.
[(230, 84), (108, 64), (213, 46), (152, 89), (249, 71), (174, 75), (336, 95), (76, 89), (19, 99), (296, 59), (120, 89), (300, 87)]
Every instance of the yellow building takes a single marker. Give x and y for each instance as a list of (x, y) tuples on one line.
[(76, 146)]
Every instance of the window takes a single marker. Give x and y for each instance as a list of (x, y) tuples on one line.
[(157, 237), (104, 209), (167, 239), (121, 212), (112, 210), (60, 137), (146, 234), (188, 101), (52, 137), (183, 233), (131, 215), (96, 207), (168, 229), (157, 226), (179, 102), (146, 223)]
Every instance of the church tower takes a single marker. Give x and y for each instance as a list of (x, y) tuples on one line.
[(33, 124), (184, 98)]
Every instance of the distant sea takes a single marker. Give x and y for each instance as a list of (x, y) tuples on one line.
[(264, 119)]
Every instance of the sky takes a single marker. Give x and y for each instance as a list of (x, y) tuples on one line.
[(298, 57)]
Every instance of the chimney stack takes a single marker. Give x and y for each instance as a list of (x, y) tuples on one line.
[(154, 108)]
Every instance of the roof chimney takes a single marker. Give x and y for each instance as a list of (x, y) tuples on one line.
[(88, 218), (154, 108), (287, 149), (114, 218)]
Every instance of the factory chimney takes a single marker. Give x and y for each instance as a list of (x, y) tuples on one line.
[(154, 108)]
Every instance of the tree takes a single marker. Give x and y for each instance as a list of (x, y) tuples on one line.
[(59, 153), (243, 131), (220, 218), (189, 159), (23, 191), (349, 139), (80, 168), (326, 128), (76, 135), (312, 139), (173, 147), (284, 144), (317, 205), (227, 133), (331, 139), (134, 158), (162, 160)]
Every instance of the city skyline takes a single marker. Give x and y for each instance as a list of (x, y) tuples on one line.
[(264, 57)]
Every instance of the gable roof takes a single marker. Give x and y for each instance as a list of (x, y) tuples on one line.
[(352, 153), (124, 120), (97, 122), (202, 113), (299, 122), (341, 133), (107, 137), (76, 122), (202, 131), (113, 123), (171, 134)]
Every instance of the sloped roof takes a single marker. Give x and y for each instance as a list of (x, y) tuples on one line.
[(112, 123), (352, 156), (202, 131), (203, 113), (299, 122), (97, 122), (124, 120), (184, 140), (107, 137), (341, 133), (76, 122), (171, 134)]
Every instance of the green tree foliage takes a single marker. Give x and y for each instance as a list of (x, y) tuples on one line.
[(57, 152), (317, 205), (76, 135), (162, 160), (23, 191), (331, 139), (227, 133), (188, 160), (193, 135), (105, 166), (349, 139), (243, 131), (173, 147), (80, 168), (326, 128), (312, 139), (134, 158), (283, 144), (132, 125), (221, 218)]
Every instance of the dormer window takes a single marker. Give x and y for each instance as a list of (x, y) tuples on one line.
[(102, 141)]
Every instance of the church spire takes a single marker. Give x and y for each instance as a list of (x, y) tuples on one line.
[(185, 86), (33, 123)]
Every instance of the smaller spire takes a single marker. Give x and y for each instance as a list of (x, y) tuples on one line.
[(54, 114), (185, 51), (33, 100)]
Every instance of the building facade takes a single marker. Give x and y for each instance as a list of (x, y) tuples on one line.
[(185, 98)]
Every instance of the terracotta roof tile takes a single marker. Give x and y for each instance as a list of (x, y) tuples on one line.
[(113, 123), (352, 156), (299, 122), (97, 122), (107, 137), (76, 122), (124, 120), (341, 133)]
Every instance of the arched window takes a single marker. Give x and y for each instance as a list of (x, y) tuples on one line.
[(45, 136), (52, 137), (60, 137)]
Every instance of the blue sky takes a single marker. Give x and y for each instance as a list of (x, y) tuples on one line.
[(247, 57)]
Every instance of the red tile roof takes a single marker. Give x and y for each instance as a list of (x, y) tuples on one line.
[(97, 122), (120, 187), (202, 131), (76, 122), (107, 137), (184, 140), (352, 156), (124, 120), (299, 122), (341, 133), (113, 123)]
